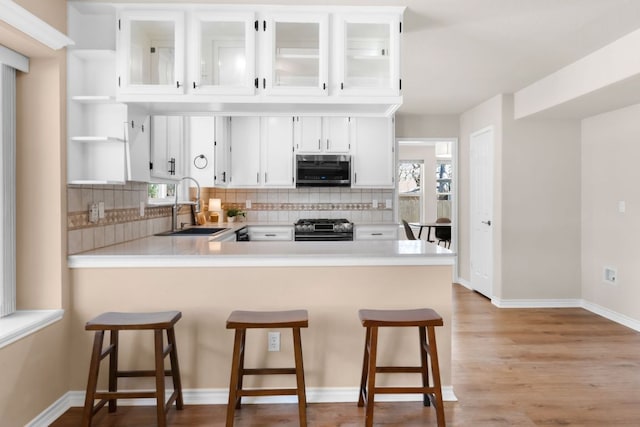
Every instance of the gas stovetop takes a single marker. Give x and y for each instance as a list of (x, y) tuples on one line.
[(323, 229)]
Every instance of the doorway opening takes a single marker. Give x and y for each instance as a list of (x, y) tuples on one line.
[(427, 181)]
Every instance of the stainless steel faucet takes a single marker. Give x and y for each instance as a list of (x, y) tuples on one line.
[(174, 208)]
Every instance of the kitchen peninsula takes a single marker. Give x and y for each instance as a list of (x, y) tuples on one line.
[(207, 279)]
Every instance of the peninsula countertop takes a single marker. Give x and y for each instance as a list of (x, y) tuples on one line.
[(204, 251)]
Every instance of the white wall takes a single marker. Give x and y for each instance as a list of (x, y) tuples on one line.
[(610, 174), (427, 126)]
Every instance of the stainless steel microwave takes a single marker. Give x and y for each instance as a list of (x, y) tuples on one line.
[(326, 170)]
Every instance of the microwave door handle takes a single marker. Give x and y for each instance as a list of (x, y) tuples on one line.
[(319, 143)]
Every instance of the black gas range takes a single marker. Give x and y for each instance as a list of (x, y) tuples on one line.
[(323, 229)]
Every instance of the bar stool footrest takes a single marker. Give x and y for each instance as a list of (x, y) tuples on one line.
[(399, 369), (269, 371), (136, 374), (269, 392)]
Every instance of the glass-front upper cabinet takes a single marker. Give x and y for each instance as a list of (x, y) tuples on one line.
[(222, 53), (368, 54), (296, 53), (151, 52)]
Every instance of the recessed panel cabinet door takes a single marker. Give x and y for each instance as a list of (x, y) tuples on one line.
[(277, 148), (167, 145), (245, 152), (374, 156)]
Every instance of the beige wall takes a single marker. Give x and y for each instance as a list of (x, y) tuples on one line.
[(540, 208), (536, 202), (610, 174), (332, 344), (426, 126), (35, 369)]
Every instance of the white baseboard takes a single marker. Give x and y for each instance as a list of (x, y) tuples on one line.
[(464, 282), (53, 412), (537, 303), (612, 315), (220, 396)]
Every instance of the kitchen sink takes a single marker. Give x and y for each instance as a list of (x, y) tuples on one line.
[(195, 231)]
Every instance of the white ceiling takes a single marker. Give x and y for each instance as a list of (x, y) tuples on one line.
[(459, 53)]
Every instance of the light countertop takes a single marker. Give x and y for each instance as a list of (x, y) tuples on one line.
[(205, 251)]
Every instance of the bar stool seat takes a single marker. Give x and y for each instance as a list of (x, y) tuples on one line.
[(243, 320), (425, 319), (115, 322)]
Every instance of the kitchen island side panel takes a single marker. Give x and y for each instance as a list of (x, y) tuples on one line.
[(332, 344)]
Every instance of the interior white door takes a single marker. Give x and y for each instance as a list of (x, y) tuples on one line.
[(481, 169)]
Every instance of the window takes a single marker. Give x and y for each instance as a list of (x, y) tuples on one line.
[(161, 193), (410, 190)]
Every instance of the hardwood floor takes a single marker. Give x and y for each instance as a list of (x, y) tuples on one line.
[(511, 367)]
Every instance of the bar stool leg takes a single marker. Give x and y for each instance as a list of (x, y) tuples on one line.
[(435, 371), (235, 370), (373, 344), (241, 368), (160, 402), (113, 369), (302, 399), (92, 381), (365, 369), (175, 367), (424, 364)]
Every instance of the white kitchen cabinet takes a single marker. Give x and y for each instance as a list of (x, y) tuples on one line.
[(277, 152), (222, 52), (261, 152), (222, 146), (296, 53), (244, 136), (315, 135), (373, 160), (200, 148), (151, 51), (167, 147), (271, 233), (376, 232), (367, 57)]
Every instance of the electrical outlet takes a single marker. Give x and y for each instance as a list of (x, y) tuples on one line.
[(374, 204), (274, 341), (141, 209), (101, 210), (388, 204), (247, 204), (93, 213), (610, 275)]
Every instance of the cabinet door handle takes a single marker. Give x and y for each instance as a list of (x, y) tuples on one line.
[(486, 222), (172, 166), (324, 86), (319, 143), (341, 86), (376, 234), (265, 177), (195, 85), (269, 235), (328, 143), (178, 85), (224, 177), (258, 177), (264, 83), (257, 80)]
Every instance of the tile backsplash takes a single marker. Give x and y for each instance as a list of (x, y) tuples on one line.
[(122, 221)]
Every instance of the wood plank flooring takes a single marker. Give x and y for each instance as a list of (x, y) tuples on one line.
[(511, 367)]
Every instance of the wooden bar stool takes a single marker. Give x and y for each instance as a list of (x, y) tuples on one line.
[(115, 322), (243, 320), (423, 318)]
